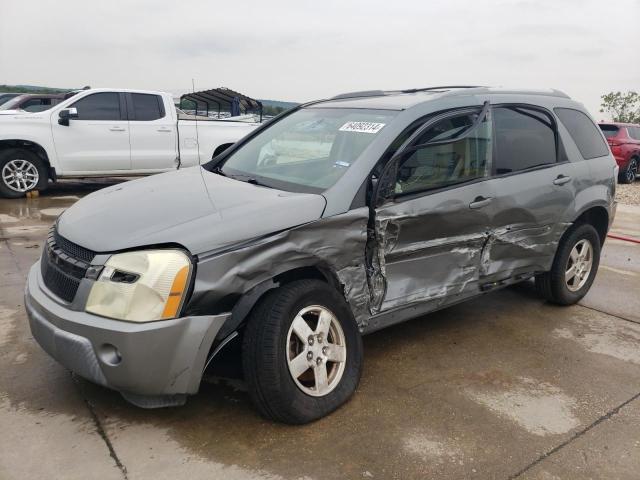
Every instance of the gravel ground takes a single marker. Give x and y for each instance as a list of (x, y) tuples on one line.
[(629, 194)]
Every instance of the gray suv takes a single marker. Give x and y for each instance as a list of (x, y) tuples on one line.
[(335, 219)]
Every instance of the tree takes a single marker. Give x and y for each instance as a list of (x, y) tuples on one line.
[(623, 107)]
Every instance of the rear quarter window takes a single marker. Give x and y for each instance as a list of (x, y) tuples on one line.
[(584, 132), (610, 131)]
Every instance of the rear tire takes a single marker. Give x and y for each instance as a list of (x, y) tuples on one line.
[(273, 350), (628, 175), (21, 171), (579, 249)]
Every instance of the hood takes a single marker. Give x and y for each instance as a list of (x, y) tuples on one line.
[(193, 207)]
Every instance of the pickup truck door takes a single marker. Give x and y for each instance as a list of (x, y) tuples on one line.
[(152, 134), (98, 139)]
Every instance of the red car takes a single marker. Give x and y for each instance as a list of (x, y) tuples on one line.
[(624, 140)]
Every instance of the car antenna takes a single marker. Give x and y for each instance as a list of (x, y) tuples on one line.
[(193, 90)]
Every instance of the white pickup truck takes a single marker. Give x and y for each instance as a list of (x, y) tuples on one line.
[(106, 132)]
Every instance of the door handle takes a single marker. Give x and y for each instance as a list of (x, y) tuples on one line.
[(480, 202), (561, 180), (117, 129), (166, 130)]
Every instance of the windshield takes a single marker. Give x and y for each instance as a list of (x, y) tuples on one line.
[(308, 150)]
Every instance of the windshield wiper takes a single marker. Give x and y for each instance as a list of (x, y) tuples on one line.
[(254, 181), (243, 178), (219, 171)]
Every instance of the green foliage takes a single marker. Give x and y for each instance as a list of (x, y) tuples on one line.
[(623, 107), (30, 89), (272, 110)]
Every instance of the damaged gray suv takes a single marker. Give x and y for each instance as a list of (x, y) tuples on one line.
[(336, 219)]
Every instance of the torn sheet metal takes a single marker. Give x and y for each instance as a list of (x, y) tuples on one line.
[(336, 244), (412, 264)]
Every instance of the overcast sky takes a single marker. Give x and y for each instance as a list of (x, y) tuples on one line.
[(300, 50)]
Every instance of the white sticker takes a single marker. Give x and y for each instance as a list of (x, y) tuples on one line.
[(362, 127)]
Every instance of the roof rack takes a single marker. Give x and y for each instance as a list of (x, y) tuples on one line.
[(363, 93), (444, 87), (382, 93)]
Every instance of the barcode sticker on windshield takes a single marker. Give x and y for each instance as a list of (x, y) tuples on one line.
[(362, 127)]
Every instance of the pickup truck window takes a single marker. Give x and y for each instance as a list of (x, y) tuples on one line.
[(99, 106), (146, 107), (308, 150)]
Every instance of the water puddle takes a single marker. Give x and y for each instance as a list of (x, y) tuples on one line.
[(539, 407)]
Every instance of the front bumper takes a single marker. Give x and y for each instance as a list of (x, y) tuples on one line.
[(152, 364)]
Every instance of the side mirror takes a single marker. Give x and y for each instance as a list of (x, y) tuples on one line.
[(67, 114)]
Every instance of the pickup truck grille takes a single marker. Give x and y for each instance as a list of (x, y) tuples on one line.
[(63, 265)]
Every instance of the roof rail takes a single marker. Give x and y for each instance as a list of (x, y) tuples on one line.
[(364, 93), (444, 87)]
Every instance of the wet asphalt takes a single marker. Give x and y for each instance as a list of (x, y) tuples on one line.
[(505, 386)]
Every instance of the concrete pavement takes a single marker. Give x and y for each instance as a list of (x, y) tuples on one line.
[(505, 386)]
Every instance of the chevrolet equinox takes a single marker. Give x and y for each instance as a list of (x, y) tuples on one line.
[(335, 219)]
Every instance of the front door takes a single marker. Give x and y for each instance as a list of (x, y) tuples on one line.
[(430, 234), (98, 140)]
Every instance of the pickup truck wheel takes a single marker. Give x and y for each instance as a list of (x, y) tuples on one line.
[(20, 172), (628, 175), (574, 267), (302, 352)]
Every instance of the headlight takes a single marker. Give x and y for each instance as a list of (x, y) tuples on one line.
[(141, 286)]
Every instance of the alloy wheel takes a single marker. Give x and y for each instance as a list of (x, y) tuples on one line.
[(632, 171), (20, 175), (316, 351), (579, 265)]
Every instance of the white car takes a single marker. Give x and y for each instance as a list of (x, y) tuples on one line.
[(106, 132)]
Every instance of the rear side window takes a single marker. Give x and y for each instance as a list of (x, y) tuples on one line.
[(609, 131), (584, 133), (99, 106), (525, 138), (634, 132), (146, 107)]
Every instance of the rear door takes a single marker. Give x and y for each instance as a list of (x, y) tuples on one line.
[(152, 135), (534, 185), (98, 140), (430, 230)]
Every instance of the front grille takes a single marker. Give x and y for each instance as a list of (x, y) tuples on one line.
[(63, 265), (71, 249)]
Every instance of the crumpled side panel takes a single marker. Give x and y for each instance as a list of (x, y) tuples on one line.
[(519, 245), (336, 243), (399, 276)]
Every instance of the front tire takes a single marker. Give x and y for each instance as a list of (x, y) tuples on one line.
[(574, 267), (628, 175), (21, 171), (302, 352)]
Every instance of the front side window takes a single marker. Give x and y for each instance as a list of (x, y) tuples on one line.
[(147, 107), (308, 150), (99, 106), (584, 133), (456, 161), (525, 138)]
